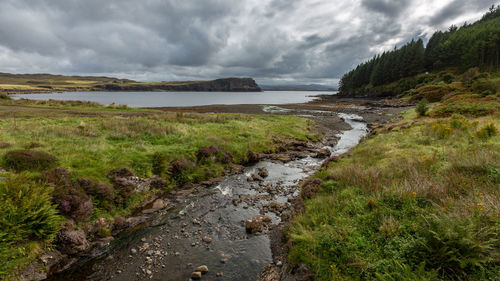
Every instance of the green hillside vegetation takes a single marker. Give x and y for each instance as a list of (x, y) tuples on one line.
[(446, 55), (89, 141)]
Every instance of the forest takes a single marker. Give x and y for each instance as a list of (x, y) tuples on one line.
[(457, 49)]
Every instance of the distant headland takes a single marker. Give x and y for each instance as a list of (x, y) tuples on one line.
[(48, 83)]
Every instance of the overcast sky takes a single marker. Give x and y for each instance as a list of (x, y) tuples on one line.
[(273, 41)]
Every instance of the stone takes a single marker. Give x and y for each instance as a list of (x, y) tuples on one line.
[(263, 172), (257, 224), (224, 260), (72, 242), (323, 153), (158, 204), (196, 275), (207, 239), (202, 268), (219, 274), (257, 177)]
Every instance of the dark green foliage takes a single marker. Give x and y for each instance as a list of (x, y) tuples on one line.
[(159, 164), (26, 211), (487, 131), (28, 160), (5, 97), (422, 107), (454, 246), (26, 214), (472, 45)]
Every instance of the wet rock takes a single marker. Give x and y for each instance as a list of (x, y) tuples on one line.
[(283, 157), (196, 275), (224, 260), (257, 224), (263, 172), (72, 242), (157, 205), (202, 268), (51, 258), (219, 274), (207, 239), (323, 153), (133, 221), (257, 177)]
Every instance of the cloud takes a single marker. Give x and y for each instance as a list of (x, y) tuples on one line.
[(271, 40)]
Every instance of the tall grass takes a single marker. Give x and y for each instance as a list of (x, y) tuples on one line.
[(416, 204)]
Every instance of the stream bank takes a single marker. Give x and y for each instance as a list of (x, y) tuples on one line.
[(208, 226)]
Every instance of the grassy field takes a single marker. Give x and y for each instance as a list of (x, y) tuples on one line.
[(419, 200), (91, 140)]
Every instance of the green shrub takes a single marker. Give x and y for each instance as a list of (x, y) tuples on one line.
[(159, 163), (454, 246), (28, 160), (5, 97), (422, 107), (26, 211), (487, 131)]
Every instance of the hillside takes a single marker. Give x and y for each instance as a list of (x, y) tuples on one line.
[(454, 51), (45, 83)]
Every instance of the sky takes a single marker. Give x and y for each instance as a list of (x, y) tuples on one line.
[(273, 41)]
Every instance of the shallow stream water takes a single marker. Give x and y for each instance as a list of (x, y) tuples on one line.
[(170, 247)]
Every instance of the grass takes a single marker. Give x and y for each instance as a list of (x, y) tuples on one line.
[(418, 202), (93, 140)]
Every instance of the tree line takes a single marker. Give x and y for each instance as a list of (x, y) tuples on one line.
[(471, 45)]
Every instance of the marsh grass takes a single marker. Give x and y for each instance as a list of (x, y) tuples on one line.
[(422, 200)]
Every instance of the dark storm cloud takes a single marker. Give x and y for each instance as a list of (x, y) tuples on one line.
[(457, 8), (387, 7), (271, 40)]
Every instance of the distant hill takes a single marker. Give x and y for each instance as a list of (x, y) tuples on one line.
[(310, 87), (46, 83)]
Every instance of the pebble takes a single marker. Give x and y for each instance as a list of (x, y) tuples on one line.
[(224, 260), (196, 275), (202, 268), (207, 239), (219, 274), (133, 251)]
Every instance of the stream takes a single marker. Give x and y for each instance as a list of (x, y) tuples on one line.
[(208, 228)]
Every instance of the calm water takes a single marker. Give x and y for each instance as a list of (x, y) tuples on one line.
[(164, 99)]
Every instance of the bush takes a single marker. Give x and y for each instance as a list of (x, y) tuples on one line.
[(28, 160), (487, 131), (26, 211), (159, 163), (206, 153), (454, 246), (5, 97), (422, 107), (71, 199)]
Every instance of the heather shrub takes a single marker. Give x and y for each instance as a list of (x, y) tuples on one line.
[(28, 160), (178, 170), (252, 157), (206, 153), (119, 173), (71, 199), (225, 157)]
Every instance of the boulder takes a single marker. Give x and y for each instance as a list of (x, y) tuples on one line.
[(263, 172), (158, 204), (72, 242)]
